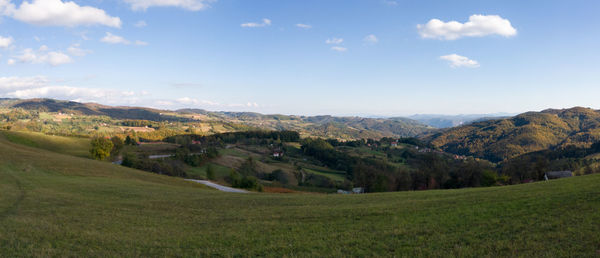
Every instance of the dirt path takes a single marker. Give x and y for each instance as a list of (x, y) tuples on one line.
[(218, 186)]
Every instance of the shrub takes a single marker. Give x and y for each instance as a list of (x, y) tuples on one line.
[(101, 148)]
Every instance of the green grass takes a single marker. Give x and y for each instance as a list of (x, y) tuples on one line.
[(233, 152), (79, 147), (200, 172), (332, 176), (58, 205)]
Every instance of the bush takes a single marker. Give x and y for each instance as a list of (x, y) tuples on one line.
[(210, 172), (245, 182), (101, 148), (488, 178)]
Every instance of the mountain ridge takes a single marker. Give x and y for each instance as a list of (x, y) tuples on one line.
[(497, 140)]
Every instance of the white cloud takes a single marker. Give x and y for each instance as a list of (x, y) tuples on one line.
[(303, 26), (41, 87), (335, 41), (59, 13), (196, 102), (75, 50), (11, 61), (114, 39), (8, 84), (43, 48), (371, 39), (191, 5), (265, 22), (6, 42), (140, 43), (339, 49), (56, 58), (391, 3), (69, 93), (6, 6), (140, 24), (460, 61), (477, 26), (41, 56)]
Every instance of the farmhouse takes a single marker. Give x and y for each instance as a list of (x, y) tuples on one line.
[(358, 190), (277, 154)]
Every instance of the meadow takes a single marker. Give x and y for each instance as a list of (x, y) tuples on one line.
[(53, 204)]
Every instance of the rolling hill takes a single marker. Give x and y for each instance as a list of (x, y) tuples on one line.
[(497, 140), (447, 121), (320, 126), (58, 205)]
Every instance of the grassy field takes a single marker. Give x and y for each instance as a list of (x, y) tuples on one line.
[(74, 146), (58, 205), (332, 176), (200, 172)]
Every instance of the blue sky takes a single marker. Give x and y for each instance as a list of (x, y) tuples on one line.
[(350, 57)]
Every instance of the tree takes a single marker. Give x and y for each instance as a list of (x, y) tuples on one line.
[(131, 139), (117, 145), (210, 172), (101, 148)]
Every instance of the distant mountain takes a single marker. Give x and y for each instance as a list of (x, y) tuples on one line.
[(499, 139), (321, 126), (5, 102), (446, 121), (324, 126)]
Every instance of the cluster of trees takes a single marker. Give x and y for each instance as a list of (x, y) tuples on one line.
[(195, 155), (428, 170), (17, 114), (249, 137), (245, 176), (104, 147), (324, 152), (169, 167), (137, 123)]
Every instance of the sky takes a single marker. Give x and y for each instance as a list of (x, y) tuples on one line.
[(309, 57)]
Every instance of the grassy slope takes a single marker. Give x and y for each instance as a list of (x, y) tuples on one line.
[(79, 147), (58, 205)]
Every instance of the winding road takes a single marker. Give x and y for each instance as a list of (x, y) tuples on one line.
[(218, 186)]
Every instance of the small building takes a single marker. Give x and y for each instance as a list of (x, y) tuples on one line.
[(340, 191), (358, 190), (558, 174), (278, 154), (394, 144)]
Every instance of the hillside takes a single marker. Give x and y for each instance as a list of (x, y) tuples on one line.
[(497, 140), (447, 121), (215, 122), (57, 205)]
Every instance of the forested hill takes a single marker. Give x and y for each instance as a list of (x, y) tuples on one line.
[(320, 126), (497, 140)]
